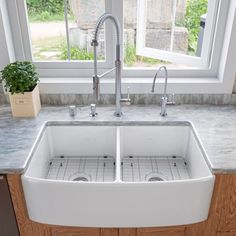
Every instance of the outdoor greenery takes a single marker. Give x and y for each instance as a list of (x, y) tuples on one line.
[(75, 53), (131, 58), (50, 6), (46, 10), (19, 77), (45, 17), (130, 54), (53, 10), (194, 10)]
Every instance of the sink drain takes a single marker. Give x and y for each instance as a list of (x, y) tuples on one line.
[(155, 177), (81, 178)]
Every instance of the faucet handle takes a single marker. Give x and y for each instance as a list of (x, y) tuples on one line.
[(72, 110), (93, 112), (126, 100), (171, 99)]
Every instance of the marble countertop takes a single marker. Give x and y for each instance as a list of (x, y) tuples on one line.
[(215, 125)]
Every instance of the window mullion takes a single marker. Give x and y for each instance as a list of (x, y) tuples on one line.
[(67, 29), (173, 25), (141, 29), (117, 11)]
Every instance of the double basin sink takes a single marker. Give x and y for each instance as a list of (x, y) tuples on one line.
[(134, 174)]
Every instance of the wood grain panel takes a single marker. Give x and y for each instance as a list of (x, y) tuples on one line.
[(174, 231), (109, 232), (226, 234), (128, 232), (71, 231), (26, 226), (228, 204)]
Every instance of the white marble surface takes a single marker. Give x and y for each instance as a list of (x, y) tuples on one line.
[(137, 99), (215, 125)]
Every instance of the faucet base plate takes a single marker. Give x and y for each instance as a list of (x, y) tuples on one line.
[(93, 114), (118, 114)]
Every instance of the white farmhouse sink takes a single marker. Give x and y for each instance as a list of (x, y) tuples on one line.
[(134, 175)]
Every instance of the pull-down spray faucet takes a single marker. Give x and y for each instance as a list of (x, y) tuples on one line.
[(117, 68)]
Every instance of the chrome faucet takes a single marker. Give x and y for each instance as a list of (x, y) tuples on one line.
[(164, 99), (117, 68)]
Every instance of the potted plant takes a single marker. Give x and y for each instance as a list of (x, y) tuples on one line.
[(20, 79)]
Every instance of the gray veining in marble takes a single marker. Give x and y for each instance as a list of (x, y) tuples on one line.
[(138, 99), (215, 125), (3, 97), (234, 88)]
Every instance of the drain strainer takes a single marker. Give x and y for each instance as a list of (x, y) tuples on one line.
[(155, 176), (80, 177)]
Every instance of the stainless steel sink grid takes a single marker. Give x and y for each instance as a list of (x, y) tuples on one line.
[(82, 169), (151, 169)]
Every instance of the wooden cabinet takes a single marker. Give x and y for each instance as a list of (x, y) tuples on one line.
[(175, 231), (66, 231), (226, 234), (109, 232), (8, 225), (227, 205), (128, 232), (71, 231), (221, 220)]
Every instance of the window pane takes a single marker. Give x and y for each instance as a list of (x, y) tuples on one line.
[(171, 25), (48, 29)]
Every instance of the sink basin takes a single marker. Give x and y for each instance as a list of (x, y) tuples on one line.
[(130, 175)]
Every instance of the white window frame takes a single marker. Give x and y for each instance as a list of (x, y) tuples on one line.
[(75, 77), (202, 61)]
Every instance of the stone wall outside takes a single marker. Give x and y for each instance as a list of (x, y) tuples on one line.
[(158, 23)]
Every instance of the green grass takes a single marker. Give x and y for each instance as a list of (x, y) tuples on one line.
[(47, 17), (130, 54), (76, 53), (59, 47), (52, 44), (131, 59)]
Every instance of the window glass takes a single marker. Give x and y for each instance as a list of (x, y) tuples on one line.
[(51, 40), (169, 25)]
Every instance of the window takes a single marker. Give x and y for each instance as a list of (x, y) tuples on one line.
[(186, 35), (178, 33), (167, 31), (58, 41), (63, 30)]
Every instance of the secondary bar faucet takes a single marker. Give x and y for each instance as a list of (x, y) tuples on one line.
[(164, 99), (117, 68)]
